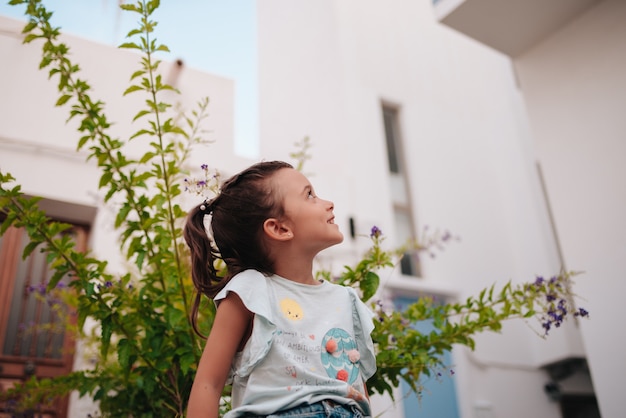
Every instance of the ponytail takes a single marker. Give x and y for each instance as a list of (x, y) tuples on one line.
[(204, 275)]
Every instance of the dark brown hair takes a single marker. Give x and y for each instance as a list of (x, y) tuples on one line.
[(238, 212)]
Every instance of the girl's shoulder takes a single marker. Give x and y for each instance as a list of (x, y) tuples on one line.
[(247, 277), (251, 287)]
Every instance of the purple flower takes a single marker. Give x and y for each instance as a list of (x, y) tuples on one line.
[(375, 232), (108, 284), (582, 312), (204, 166), (539, 281)]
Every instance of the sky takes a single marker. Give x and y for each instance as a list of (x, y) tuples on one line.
[(215, 36)]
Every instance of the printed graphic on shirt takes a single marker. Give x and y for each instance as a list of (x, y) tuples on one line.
[(340, 356), (291, 309)]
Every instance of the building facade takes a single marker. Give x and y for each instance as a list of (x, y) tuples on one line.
[(414, 126)]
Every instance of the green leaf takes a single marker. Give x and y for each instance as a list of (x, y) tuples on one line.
[(63, 99), (123, 354), (369, 285), (187, 360), (141, 132), (129, 45), (105, 179), (105, 337), (136, 74), (175, 317), (132, 89), (30, 37), (141, 114), (29, 248)]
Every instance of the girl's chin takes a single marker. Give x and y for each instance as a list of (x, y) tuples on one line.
[(339, 239)]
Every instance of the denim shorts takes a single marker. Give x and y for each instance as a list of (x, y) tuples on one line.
[(323, 409)]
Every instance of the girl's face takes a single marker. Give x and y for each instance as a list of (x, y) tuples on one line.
[(310, 218)]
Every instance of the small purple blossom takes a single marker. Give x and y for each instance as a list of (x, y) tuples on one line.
[(581, 312), (41, 288), (204, 167), (375, 232), (108, 284)]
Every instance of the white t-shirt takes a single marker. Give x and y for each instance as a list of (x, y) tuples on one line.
[(309, 343)]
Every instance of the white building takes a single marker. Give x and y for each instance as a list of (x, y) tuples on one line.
[(473, 121)]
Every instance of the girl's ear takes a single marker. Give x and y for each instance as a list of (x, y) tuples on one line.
[(277, 230)]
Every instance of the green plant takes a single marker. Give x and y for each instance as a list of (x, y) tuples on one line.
[(147, 348)]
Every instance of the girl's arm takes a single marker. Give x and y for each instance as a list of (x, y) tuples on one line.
[(232, 320)]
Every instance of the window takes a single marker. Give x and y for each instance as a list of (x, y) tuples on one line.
[(404, 227), (33, 323), (390, 117)]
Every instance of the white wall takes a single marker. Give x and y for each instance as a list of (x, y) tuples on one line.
[(574, 85), (326, 66)]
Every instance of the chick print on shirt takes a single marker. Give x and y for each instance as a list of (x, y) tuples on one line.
[(291, 309)]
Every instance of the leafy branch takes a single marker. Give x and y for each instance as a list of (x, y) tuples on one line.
[(405, 353)]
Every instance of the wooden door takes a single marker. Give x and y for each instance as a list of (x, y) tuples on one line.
[(34, 337)]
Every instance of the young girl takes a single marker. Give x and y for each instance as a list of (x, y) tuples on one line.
[(290, 345)]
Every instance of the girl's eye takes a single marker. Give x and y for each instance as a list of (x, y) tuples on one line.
[(311, 195)]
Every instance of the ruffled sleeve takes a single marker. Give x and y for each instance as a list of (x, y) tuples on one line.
[(251, 287), (363, 326)]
